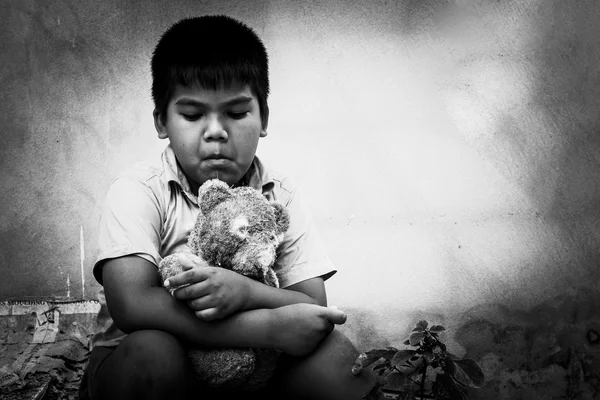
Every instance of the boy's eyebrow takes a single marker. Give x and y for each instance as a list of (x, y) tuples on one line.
[(186, 101)]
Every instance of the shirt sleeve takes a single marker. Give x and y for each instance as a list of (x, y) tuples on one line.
[(301, 254), (130, 223)]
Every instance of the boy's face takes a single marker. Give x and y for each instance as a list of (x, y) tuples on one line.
[(213, 133)]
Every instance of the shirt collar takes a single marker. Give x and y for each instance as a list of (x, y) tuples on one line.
[(257, 176)]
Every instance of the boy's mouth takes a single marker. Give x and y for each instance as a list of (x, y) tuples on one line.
[(217, 160), (216, 156)]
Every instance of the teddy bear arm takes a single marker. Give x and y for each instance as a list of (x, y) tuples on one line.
[(271, 278), (170, 266)]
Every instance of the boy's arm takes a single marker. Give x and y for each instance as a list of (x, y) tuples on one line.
[(215, 293), (137, 302), (302, 261), (309, 291)]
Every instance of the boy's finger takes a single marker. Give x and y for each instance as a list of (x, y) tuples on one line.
[(208, 314), (189, 261), (185, 261), (191, 292), (200, 303), (190, 276), (336, 316)]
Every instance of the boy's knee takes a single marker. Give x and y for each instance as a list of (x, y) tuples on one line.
[(146, 365), (152, 348), (328, 368), (155, 357), (338, 348)]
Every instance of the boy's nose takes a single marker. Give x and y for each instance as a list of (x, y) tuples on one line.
[(215, 130)]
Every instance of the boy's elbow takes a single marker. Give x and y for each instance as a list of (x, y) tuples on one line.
[(126, 311), (124, 317)]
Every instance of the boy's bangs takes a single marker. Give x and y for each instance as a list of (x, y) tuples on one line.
[(214, 77)]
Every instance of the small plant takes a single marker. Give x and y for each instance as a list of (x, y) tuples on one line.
[(426, 372)]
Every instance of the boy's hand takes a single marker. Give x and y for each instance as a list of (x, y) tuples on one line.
[(212, 293), (299, 328)]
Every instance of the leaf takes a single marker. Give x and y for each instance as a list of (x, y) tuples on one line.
[(387, 353), (428, 356), (379, 366), (461, 376), (364, 360), (472, 370), (373, 393), (356, 368), (415, 338), (450, 366), (437, 329), (369, 357), (402, 356), (395, 380), (411, 365), (422, 325)]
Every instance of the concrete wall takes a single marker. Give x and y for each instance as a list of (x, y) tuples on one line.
[(449, 150)]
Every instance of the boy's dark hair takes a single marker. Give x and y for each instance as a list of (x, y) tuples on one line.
[(213, 51)]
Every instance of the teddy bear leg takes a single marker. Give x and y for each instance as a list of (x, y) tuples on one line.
[(223, 368), (264, 369), (169, 266)]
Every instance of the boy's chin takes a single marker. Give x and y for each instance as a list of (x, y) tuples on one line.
[(227, 177)]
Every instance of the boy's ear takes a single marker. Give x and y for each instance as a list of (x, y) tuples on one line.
[(159, 125), (265, 121)]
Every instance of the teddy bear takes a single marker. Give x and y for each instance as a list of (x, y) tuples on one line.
[(239, 229)]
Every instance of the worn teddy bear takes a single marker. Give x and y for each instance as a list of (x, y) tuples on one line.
[(238, 229)]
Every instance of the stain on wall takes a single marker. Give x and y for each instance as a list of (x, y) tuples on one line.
[(448, 151)]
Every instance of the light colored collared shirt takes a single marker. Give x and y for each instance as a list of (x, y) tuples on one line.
[(150, 210)]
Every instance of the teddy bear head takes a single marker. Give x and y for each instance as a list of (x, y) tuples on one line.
[(238, 229)]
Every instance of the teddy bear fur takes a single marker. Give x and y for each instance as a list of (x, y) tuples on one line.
[(237, 229)]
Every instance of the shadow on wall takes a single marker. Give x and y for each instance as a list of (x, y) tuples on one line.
[(552, 350), (549, 352), (568, 89)]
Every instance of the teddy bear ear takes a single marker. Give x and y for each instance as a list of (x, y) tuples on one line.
[(211, 194), (282, 217)]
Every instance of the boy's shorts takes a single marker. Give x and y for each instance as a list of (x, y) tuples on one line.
[(97, 357)]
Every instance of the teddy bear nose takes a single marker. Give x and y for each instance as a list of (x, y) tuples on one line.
[(239, 227)]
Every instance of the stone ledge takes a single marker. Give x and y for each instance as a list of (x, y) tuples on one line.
[(44, 347)]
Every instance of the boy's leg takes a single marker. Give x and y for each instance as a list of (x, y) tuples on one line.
[(145, 365), (324, 374)]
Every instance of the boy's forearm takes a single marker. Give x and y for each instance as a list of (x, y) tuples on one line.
[(155, 308), (263, 296)]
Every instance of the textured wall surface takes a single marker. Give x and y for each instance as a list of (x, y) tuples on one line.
[(449, 151)]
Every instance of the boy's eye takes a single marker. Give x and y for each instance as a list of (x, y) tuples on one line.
[(191, 117), (238, 115)]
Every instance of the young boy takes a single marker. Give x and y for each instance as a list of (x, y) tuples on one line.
[(210, 88)]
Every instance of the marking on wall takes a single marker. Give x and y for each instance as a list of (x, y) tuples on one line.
[(46, 326), (68, 285), (40, 307), (82, 257)]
